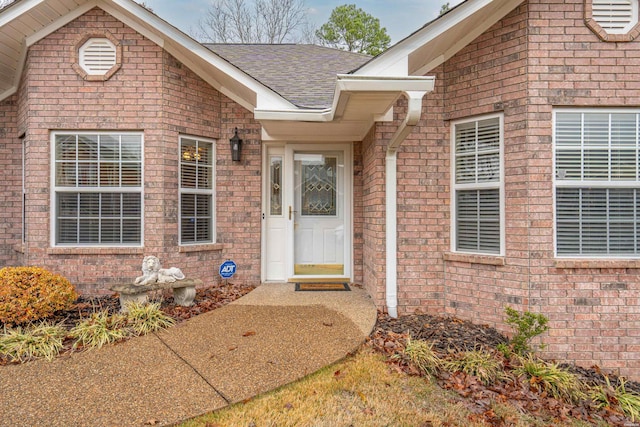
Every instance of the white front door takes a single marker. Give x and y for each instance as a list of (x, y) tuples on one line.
[(307, 213)]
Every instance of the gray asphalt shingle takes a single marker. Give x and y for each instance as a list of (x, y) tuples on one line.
[(303, 74)]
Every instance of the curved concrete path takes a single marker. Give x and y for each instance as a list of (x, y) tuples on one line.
[(268, 338)]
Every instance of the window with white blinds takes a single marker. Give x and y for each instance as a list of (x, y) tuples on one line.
[(597, 157), (615, 16), (97, 189), (477, 200), (197, 212)]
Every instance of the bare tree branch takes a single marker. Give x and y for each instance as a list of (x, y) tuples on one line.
[(257, 21)]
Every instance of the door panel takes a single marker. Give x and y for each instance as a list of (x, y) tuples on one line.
[(319, 219)]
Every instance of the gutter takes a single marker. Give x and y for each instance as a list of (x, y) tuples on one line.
[(414, 111)]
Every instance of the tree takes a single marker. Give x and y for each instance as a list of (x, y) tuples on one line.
[(353, 29), (259, 21), (444, 8)]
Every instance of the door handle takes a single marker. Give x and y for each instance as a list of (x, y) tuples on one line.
[(291, 211)]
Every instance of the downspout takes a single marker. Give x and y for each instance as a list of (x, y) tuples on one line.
[(414, 111)]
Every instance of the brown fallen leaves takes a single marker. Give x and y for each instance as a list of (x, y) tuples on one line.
[(452, 336)]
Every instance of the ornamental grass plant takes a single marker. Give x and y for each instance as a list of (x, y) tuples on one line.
[(146, 318), (99, 329), (548, 377), (43, 340)]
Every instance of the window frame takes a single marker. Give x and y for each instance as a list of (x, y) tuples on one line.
[(498, 185), (586, 184), (197, 191), (57, 189)]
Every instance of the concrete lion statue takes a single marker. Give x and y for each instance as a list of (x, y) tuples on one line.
[(152, 273)]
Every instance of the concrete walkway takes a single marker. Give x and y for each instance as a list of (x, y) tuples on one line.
[(266, 339)]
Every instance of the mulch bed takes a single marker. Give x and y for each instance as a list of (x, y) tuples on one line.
[(451, 335)]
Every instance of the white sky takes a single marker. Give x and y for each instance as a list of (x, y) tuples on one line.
[(399, 17)]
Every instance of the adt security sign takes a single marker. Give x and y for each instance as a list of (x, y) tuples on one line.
[(227, 269)]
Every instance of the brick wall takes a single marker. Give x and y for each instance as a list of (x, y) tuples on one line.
[(155, 94), (540, 56), (11, 178), (373, 202), (594, 305)]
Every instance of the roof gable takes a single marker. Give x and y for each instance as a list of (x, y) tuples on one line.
[(440, 39), (25, 22)]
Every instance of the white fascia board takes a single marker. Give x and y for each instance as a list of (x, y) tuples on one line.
[(349, 83), (401, 51), (156, 29), (17, 9)]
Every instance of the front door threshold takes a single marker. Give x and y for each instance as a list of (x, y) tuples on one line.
[(319, 279)]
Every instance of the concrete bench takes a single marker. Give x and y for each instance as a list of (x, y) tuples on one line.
[(184, 291)]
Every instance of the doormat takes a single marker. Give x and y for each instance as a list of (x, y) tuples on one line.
[(316, 287)]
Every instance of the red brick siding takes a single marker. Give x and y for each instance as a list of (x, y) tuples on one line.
[(157, 95), (11, 178), (593, 306), (373, 202), (540, 56)]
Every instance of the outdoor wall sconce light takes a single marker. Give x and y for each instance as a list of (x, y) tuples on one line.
[(236, 145)]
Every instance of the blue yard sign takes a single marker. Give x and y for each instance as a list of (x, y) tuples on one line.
[(227, 269)]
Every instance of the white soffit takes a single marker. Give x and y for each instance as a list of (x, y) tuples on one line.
[(439, 40)]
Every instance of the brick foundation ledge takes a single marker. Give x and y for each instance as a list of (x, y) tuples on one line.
[(474, 258), (95, 251), (596, 263)]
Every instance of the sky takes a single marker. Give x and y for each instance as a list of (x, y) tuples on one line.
[(399, 17)]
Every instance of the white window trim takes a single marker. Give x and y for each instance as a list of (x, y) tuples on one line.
[(211, 192), (479, 186), (55, 189), (583, 184)]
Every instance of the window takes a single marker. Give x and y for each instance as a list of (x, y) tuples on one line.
[(97, 189), (597, 155), (477, 183), (196, 191)]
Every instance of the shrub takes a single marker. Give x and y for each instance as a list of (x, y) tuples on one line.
[(548, 377), (99, 329), (145, 318), (28, 294), (36, 341), (526, 325)]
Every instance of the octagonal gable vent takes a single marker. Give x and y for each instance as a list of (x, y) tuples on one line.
[(615, 16), (98, 56)]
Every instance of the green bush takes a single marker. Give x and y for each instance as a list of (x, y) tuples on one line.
[(29, 294), (526, 326)]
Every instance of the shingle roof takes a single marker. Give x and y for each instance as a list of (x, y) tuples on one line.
[(303, 74)]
